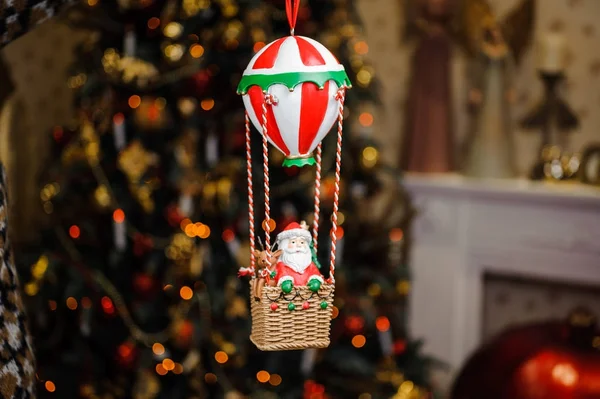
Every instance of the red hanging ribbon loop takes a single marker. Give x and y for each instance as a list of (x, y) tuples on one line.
[(291, 9)]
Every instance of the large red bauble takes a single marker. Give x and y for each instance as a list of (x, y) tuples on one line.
[(551, 360)]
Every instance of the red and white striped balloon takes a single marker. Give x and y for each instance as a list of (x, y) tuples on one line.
[(303, 78)]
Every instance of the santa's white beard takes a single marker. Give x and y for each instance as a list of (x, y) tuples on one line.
[(298, 261)]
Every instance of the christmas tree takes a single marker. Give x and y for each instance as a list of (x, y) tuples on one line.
[(133, 291)]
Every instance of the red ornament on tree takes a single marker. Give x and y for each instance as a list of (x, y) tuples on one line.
[(144, 284), (127, 354), (552, 360), (141, 244)]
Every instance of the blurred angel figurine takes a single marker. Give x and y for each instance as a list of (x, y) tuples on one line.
[(489, 148), (428, 140)]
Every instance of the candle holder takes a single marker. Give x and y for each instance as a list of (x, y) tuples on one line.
[(553, 110)]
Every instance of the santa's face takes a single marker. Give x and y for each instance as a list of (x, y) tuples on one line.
[(296, 253)]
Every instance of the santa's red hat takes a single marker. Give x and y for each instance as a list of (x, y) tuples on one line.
[(293, 230)]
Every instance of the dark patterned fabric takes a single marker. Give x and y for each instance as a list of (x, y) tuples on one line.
[(17, 364), (20, 16)]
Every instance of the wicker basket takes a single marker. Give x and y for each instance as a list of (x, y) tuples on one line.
[(275, 327)]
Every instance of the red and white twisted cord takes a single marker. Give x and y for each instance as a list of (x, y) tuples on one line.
[(269, 100), (340, 96), (250, 197), (317, 197)]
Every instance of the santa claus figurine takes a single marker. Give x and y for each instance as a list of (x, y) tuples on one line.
[(295, 265)]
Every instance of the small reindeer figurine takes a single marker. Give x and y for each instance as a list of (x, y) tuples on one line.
[(261, 270)]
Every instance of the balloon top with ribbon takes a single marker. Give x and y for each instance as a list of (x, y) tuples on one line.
[(291, 90)]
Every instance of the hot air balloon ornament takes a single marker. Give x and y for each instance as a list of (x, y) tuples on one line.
[(293, 91)]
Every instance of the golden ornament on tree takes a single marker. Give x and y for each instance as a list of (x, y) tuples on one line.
[(102, 197), (129, 70), (135, 161)]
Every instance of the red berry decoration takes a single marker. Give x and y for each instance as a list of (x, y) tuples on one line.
[(274, 306), (305, 305)]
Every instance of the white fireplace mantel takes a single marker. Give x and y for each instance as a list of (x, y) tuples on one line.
[(466, 228)]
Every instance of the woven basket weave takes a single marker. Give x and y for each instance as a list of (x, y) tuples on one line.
[(284, 329)]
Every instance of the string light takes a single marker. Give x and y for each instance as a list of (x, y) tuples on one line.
[(184, 223), (118, 119), (186, 293), (125, 350), (355, 323), (173, 30), (174, 52), (229, 348), (196, 50), (86, 302), (107, 305), (31, 288), (190, 230), (74, 231), (210, 378), (257, 46), (361, 47), (366, 119), (49, 385), (158, 349), (358, 341), (403, 287), (271, 227), (221, 357), (275, 380), (92, 3), (119, 216), (396, 234), (134, 101), (207, 104), (382, 323), (178, 368), (263, 376), (71, 303), (334, 312), (228, 235), (160, 370), (364, 77), (153, 23), (370, 155), (52, 305), (39, 268), (204, 232), (168, 364)]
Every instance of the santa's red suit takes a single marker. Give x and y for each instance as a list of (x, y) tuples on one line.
[(284, 273)]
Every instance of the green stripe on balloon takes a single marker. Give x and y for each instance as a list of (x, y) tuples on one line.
[(299, 162), (293, 79)]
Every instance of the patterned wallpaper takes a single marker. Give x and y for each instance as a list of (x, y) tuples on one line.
[(577, 19)]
